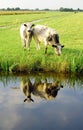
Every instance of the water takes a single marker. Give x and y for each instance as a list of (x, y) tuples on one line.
[(52, 102)]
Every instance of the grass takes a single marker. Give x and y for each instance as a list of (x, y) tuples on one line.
[(14, 59)]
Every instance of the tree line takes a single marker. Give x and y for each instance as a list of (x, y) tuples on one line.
[(70, 9), (37, 9)]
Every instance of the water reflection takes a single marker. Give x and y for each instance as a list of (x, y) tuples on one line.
[(58, 102), (39, 88)]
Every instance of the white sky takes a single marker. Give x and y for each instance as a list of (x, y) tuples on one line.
[(42, 4)]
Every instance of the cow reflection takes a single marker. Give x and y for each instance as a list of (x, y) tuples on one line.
[(44, 90)]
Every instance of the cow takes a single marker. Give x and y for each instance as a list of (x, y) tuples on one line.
[(41, 89), (41, 34), (26, 35), (48, 36)]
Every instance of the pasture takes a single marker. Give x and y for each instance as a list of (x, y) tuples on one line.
[(14, 59)]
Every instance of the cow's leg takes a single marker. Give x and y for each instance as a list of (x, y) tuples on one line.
[(28, 45), (46, 44), (37, 43), (23, 43), (45, 51), (38, 46), (28, 41)]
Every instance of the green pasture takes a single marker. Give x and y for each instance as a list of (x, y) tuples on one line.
[(14, 59)]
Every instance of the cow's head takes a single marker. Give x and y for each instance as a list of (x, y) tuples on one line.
[(29, 29), (52, 90), (54, 41), (58, 48)]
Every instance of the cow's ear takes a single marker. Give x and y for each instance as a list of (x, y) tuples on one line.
[(54, 46), (32, 25), (25, 24), (49, 38), (25, 99), (62, 46)]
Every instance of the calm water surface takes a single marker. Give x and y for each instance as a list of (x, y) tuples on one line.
[(39, 102)]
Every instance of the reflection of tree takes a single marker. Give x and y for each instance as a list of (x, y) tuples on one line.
[(39, 88)]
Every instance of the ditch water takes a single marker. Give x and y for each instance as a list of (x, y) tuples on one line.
[(41, 102)]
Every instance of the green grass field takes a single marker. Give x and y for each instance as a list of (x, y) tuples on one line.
[(14, 59)]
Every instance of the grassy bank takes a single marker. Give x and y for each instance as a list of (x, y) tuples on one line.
[(14, 59)]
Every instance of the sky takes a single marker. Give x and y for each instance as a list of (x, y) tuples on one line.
[(41, 4)]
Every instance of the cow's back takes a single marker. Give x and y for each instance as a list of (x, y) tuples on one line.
[(40, 32)]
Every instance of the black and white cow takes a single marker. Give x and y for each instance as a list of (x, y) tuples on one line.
[(41, 34), (48, 36), (40, 89), (26, 34)]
